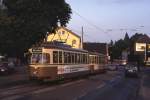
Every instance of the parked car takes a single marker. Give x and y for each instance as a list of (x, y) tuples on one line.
[(5, 69), (131, 70)]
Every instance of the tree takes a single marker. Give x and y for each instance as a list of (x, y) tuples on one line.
[(26, 22), (110, 50), (127, 40), (118, 48), (111, 43)]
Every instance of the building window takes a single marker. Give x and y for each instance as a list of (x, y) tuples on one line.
[(73, 42), (63, 32)]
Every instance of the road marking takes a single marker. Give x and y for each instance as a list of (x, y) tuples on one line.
[(43, 90), (53, 88), (70, 83), (100, 86), (84, 94)]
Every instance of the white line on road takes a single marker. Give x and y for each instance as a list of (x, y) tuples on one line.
[(80, 96), (100, 86), (53, 88), (70, 83), (44, 90)]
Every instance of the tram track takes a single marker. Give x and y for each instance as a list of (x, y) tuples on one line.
[(33, 88), (14, 93), (20, 90)]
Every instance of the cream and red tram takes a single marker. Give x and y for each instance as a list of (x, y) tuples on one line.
[(97, 62), (53, 62)]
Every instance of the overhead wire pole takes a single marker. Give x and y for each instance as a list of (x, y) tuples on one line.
[(82, 38), (95, 26)]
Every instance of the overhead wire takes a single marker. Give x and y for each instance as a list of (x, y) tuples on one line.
[(77, 31), (90, 23)]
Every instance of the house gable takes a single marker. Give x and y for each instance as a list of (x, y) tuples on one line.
[(65, 35)]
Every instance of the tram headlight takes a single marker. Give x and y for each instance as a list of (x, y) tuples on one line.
[(2, 70), (36, 67), (35, 72)]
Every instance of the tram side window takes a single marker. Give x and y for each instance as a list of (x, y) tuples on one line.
[(60, 56), (72, 57), (69, 57), (65, 57), (75, 57), (84, 58), (81, 58), (78, 58), (82, 61), (46, 58), (101, 60), (90, 60), (98, 59), (80, 55), (95, 60), (55, 56)]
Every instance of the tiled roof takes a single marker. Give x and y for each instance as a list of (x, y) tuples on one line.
[(143, 39), (96, 47)]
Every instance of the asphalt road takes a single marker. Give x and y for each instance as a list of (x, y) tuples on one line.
[(124, 89), (109, 86), (73, 90)]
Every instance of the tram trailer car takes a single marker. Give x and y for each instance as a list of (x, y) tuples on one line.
[(50, 62), (97, 63)]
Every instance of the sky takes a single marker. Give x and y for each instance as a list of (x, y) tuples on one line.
[(105, 20)]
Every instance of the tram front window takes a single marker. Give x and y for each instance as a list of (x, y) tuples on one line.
[(36, 58), (39, 58)]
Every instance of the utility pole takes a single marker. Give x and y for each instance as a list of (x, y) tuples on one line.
[(82, 38)]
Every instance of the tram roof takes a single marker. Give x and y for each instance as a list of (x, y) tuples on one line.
[(96, 53), (59, 45)]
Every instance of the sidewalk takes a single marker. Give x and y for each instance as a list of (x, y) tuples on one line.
[(144, 93), (20, 76)]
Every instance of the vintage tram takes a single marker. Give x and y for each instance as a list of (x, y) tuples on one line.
[(53, 61)]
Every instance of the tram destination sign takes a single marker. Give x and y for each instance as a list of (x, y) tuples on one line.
[(37, 50)]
